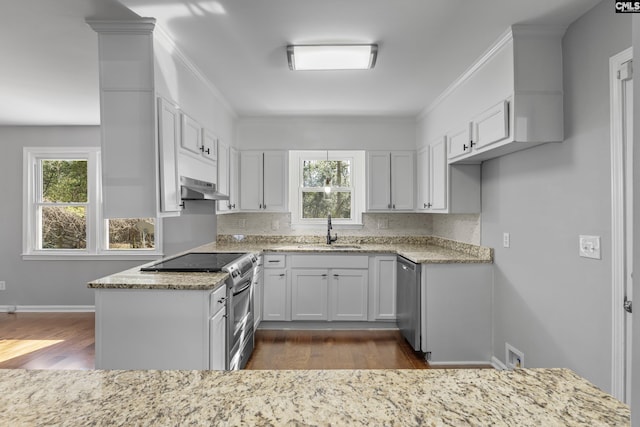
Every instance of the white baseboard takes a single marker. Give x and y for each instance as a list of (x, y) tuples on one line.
[(497, 363), (464, 363), (47, 308)]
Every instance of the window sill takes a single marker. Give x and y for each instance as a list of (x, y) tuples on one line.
[(66, 256)]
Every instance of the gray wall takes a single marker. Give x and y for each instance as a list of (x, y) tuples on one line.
[(549, 303), (59, 282)]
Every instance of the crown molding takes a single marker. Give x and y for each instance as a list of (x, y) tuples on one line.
[(162, 36)]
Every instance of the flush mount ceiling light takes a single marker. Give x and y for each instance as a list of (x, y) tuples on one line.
[(332, 57)]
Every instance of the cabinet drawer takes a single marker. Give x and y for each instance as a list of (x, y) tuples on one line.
[(274, 261), (217, 300), (329, 261)]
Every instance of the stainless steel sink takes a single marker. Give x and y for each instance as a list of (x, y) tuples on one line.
[(329, 247)]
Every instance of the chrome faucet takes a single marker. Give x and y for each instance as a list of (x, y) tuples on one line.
[(329, 227)]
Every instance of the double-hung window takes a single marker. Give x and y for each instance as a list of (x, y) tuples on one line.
[(62, 208), (326, 182)]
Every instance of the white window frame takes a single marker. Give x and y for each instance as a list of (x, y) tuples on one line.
[(296, 179), (97, 231)]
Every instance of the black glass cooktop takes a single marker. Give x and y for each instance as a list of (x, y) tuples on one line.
[(195, 262)]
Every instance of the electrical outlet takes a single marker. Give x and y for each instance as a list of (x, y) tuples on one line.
[(275, 224), (506, 240), (589, 247), (383, 224), (242, 223), (3, 285)]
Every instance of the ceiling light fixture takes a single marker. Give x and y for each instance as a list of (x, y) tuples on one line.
[(332, 57)]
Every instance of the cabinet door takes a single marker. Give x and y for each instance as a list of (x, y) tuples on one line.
[(384, 288), (459, 141), (257, 294), (223, 176), (251, 180), (234, 186), (191, 135), (275, 181), (378, 181), (168, 134), (491, 126), (349, 294), (309, 294), (402, 180), (217, 341), (275, 301), (209, 145), (438, 171), (422, 179)]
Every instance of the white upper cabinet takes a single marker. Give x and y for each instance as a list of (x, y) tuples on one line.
[(444, 188), (191, 135), (263, 181), (506, 101), (227, 160), (168, 136), (209, 145), (390, 180)]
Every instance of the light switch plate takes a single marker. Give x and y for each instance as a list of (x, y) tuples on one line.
[(590, 247)]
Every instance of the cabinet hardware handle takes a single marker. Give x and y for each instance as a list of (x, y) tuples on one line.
[(323, 275), (225, 316), (429, 205), (471, 144), (274, 260), (260, 205), (181, 205), (221, 300), (264, 206), (394, 206), (208, 151), (336, 275), (425, 205), (389, 206), (464, 147), (281, 275), (202, 148)]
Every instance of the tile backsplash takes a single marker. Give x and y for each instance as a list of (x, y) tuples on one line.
[(463, 228)]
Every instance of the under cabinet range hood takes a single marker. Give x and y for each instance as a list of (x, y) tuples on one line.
[(194, 189)]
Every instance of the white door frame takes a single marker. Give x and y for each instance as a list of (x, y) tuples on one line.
[(620, 222)]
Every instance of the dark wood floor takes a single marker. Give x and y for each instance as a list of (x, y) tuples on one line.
[(67, 341), (333, 350)]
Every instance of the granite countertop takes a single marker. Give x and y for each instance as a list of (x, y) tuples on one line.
[(421, 249), (523, 397)]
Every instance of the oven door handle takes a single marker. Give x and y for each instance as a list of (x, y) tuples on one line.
[(241, 290)]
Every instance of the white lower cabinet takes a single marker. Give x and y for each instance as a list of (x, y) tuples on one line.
[(160, 329), (382, 299), (276, 298), (257, 292), (217, 337), (456, 313), (348, 292), (309, 294)]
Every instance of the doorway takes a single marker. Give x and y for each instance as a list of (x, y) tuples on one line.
[(621, 78)]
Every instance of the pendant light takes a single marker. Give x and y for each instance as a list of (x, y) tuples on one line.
[(327, 181)]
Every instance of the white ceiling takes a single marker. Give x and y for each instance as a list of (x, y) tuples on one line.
[(49, 72)]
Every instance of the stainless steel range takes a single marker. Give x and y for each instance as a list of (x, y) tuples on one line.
[(240, 266)]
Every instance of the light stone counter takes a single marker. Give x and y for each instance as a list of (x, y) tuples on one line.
[(421, 249), (527, 397)]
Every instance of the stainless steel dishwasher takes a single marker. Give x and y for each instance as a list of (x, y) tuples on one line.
[(408, 300)]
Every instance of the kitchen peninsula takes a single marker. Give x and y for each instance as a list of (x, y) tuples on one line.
[(144, 319), (522, 397)]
